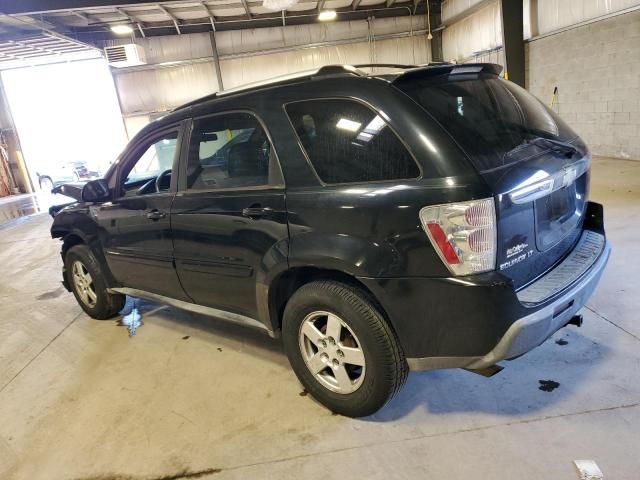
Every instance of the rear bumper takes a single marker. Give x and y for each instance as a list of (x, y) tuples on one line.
[(530, 331), (473, 322)]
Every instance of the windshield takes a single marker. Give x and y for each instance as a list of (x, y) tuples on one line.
[(487, 116)]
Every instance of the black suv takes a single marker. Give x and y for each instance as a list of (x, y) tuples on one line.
[(430, 217)]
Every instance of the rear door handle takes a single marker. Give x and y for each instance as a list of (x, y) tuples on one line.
[(256, 212), (156, 215)]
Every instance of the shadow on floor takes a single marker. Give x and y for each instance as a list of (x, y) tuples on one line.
[(546, 376), (526, 384), (217, 331)]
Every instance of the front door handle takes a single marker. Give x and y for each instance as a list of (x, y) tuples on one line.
[(156, 215), (256, 211)]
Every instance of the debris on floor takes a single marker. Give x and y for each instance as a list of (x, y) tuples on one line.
[(588, 470), (548, 385)]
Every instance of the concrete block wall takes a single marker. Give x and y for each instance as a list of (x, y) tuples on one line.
[(596, 68)]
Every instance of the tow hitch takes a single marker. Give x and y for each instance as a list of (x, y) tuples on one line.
[(575, 320), (486, 372)]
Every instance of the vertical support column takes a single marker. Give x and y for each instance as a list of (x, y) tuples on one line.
[(512, 40), (216, 60), (435, 18), (533, 18), (19, 175), (119, 98)]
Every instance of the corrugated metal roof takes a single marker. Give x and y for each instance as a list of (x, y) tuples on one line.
[(42, 48)]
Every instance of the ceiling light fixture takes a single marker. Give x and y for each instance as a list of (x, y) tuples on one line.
[(278, 5), (121, 29), (327, 15)]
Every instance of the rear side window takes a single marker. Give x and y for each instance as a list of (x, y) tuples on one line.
[(348, 142)]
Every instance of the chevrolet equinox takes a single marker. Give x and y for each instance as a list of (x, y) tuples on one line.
[(430, 217)]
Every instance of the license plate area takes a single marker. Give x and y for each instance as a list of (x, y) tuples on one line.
[(558, 214)]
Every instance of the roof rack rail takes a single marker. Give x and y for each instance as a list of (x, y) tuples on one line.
[(317, 72), (385, 65), (327, 70)]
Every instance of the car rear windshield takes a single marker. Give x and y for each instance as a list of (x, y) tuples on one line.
[(488, 116)]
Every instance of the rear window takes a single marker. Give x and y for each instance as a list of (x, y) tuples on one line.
[(347, 142), (487, 116)]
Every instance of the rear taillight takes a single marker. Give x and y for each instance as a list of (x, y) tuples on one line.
[(463, 234)]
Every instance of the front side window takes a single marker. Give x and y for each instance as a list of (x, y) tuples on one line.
[(347, 142), (231, 151), (153, 161)]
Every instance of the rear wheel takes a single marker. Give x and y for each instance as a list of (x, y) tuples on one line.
[(87, 283), (342, 349)]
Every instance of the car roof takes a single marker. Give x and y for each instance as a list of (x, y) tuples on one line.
[(394, 73)]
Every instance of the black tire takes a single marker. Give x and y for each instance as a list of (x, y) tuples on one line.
[(386, 367), (107, 305)]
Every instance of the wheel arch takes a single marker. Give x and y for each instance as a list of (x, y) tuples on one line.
[(288, 282), (70, 240), (72, 237)]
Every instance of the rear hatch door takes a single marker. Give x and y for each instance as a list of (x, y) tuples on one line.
[(537, 167)]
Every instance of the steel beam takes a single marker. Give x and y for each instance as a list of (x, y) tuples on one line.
[(173, 18), (216, 60), (434, 11), (210, 14), (246, 8), (132, 20), (512, 40)]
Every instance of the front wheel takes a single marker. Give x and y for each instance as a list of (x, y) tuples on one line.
[(88, 285), (342, 349)]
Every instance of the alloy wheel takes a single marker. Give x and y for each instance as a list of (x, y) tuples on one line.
[(332, 352), (83, 284)]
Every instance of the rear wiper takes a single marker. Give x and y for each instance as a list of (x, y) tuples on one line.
[(562, 147)]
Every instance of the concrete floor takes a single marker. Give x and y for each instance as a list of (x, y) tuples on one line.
[(191, 397)]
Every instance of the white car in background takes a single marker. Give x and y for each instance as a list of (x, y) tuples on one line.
[(77, 171)]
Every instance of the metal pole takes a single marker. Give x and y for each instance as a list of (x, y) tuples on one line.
[(216, 60), (512, 40), (434, 18)]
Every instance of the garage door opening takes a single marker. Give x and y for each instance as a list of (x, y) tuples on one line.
[(67, 118)]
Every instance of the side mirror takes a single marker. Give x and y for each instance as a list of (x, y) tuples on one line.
[(96, 191)]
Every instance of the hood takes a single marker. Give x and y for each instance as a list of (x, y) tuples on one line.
[(73, 190)]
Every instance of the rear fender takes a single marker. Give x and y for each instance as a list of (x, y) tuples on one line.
[(350, 254)]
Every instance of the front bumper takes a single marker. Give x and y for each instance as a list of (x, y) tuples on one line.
[(474, 322)]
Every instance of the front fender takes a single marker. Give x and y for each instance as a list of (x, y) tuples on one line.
[(76, 220)]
